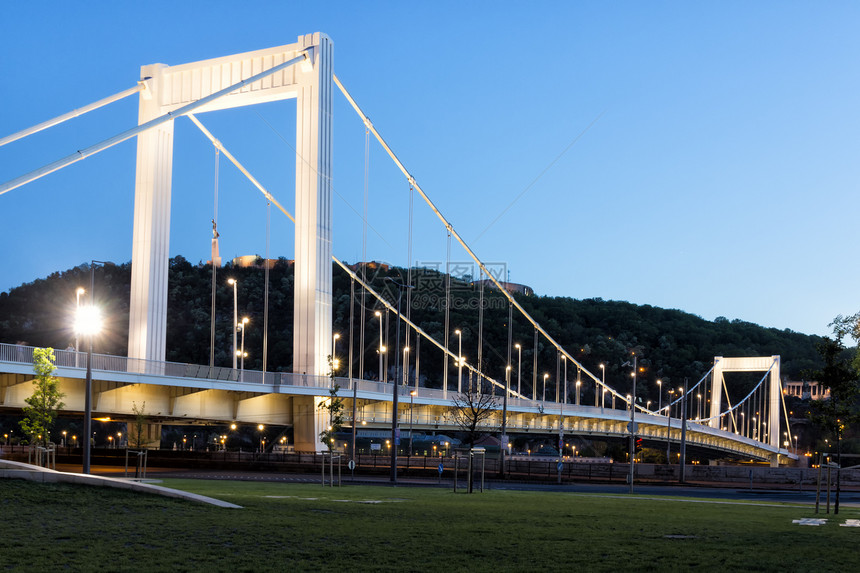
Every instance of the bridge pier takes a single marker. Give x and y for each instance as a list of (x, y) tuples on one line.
[(308, 423)]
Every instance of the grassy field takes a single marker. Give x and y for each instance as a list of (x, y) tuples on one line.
[(299, 527)]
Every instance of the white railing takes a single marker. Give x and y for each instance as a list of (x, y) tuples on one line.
[(17, 353)]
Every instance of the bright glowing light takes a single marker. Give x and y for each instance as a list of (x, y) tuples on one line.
[(88, 320)]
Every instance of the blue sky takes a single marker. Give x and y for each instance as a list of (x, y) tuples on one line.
[(700, 156)]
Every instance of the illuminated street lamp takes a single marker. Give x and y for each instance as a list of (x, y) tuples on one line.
[(234, 282), (88, 322), (543, 395), (260, 429), (411, 426), (659, 395), (459, 360), (243, 325), (334, 361), (381, 345), (519, 348), (78, 293), (64, 438)]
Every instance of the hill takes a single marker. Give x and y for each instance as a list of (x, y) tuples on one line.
[(672, 344)]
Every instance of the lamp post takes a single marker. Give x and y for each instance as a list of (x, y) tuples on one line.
[(405, 368), (260, 429), (659, 395), (381, 351), (334, 363), (564, 359), (235, 319), (411, 423), (64, 438), (78, 293), (395, 432), (603, 384), (504, 438), (459, 360), (669, 427), (244, 325), (88, 322), (519, 348), (682, 458), (633, 424), (543, 394)]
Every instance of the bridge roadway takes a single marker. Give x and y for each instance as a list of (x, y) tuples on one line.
[(176, 393)]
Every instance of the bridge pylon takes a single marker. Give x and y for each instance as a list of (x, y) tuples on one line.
[(170, 87)]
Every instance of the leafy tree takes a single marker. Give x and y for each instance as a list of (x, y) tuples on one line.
[(41, 412), (838, 375), (135, 436), (334, 406)]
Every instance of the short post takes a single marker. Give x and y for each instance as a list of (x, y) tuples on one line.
[(469, 479), (818, 488)]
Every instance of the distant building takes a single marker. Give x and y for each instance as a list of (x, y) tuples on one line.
[(373, 265), (513, 288), (248, 261), (806, 390)]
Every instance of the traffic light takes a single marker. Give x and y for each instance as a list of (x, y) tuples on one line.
[(638, 447)]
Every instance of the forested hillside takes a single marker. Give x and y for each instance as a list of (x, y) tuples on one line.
[(671, 344)]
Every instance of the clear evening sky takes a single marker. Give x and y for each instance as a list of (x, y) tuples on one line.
[(700, 156)]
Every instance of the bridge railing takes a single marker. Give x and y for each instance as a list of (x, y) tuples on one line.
[(122, 364)]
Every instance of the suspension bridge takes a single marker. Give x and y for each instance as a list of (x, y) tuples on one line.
[(754, 426)]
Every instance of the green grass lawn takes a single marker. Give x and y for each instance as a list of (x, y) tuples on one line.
[(298, 527)]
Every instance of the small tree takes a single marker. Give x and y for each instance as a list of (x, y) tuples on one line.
[(474, 407), (41, 412), (135, 436), (334, 406)]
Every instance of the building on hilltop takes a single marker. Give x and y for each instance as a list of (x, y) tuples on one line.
[(806, 390), (513, 288)]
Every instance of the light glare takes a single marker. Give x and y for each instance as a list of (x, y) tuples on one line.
[(88, 320)]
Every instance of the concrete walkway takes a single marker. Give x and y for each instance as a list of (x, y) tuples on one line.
[(18, 470)]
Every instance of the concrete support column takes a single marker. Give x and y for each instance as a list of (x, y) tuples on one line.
[(150, 436), (312, 332), (308, 423), (151, 238), (716, 392), (774, 404)]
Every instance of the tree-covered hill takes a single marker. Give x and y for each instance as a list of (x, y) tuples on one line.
[(672, 345)]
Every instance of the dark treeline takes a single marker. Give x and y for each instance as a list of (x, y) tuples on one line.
[(672, 345)]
